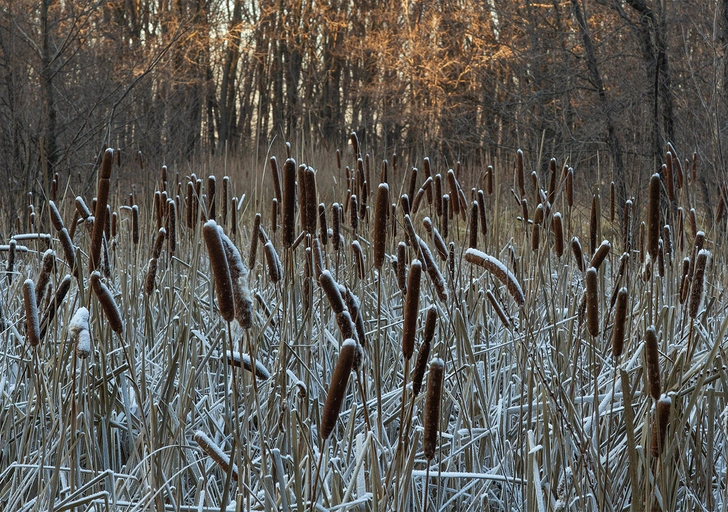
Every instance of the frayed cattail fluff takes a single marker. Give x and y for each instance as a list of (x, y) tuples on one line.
[(213, 451), (620, 318), (424, 352), (652, 360), (601, 254), (432, 408), (500, 271), (411, 309), (275, 271), (108, 304), (558, 228), (243, 361), (380, 224), (696, 293), (32, 326), (79, 332), (592, 301), (653, 215), (337, 387), (149, 280), (289, 202), (239, 279), (220, 270), (659, 430)]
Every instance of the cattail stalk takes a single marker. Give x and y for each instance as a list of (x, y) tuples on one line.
[(652, 360)]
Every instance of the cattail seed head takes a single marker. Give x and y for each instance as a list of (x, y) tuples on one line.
[(212, 196), (411, 309), (172, 225), (149, 280), (31, 313), (358, 258), (289, 202), (55, 216), (601, 254), (353, 212), (570, 187), (412, 184), (336, 225), (253, 253), (445, 215), (276, 179), (696, 293), (102, 196), (659, 430), (452, 181), (558, 228), (500, 271), (44, 277), (620, 317), (432, 408), (239, 280), (275, 271), (337, 387), (519, 173), (323, 225), (401, 267), (108, 304), (220, 270), (592, 301), (652, 359), (331, 289), (134, 225), (653, 226), (473, 228), (311, 200), (627, 235), (437, 194)]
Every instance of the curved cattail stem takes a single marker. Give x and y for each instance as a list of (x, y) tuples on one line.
[(652, 360), (592, 301), (500, 271), (498, 309)]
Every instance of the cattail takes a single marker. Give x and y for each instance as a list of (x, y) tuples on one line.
[(667, 237), (252, 255), (620, 317), (570, 187), (424, 351), (652, 360), (500, 271), (353, 212), (108, 304), (669, 180), (114, 224), (212, 196), (190, 202), (536, 234), (481, 212), (239, 280), (697, 247), (159, 243), (243, 361), (558, 228), (69, 252), (473, 228), (289, 202), (225, 192), (693, 222), (74, 224), (158, 208), (661, 259), (601, 254), (659, 430), (55, 216), (336, 225), (694, 170), (234, 216), (404, 203), (149, 279), (323, 225), (318, 258), (82, 209), (44, 277), (346, 324), (358, 258), (498, 309), (524, 210), (380, 224), (418, 200), (172, 224), (593, 224), (134, 225), (445, 216), (53, 304), (311, 203), (31, 313), (519, 173), (107, 223), (273, 262), (612, 201), (437, 182), (401, 267), (354, 143), (331, 289), (452, 181), (215, 453), (696, 293), (432, 408), (411, 309), (337, 388), (102, 196), (79, 332), (276, 179), (383, 174), (685, 280), (536, 189), (592, 301), (220, 270), (301, 199), (653, 226), (436, 238), (354, 307)]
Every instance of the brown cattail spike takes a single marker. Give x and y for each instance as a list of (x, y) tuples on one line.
[(411, 309), (653, 216), (519, 173), (696, 293), (337, 387), (432, 408), (601, 254), (652, 360), (289, 202), (31, 313), (500, 271), (620, 317), (659, 430), (558, 228), (220, 270), (102, 196), (592, 301), (108, 304), (424, 352), (380, 224)]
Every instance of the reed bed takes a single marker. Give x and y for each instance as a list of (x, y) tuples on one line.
[(441, 353)]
